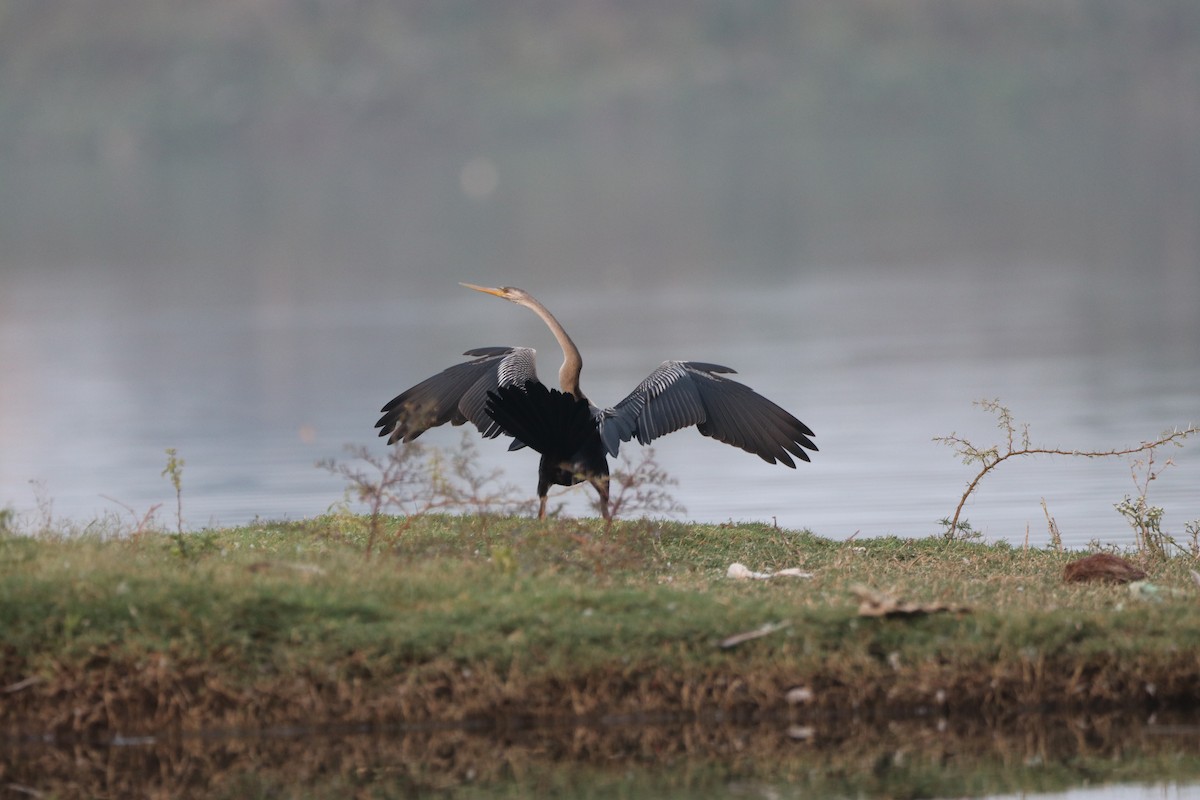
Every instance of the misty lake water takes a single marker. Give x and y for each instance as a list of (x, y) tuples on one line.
[(877, 362)]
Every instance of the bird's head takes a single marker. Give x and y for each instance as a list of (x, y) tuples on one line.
[(510, 293)]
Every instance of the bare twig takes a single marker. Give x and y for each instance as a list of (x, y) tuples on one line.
[(990, 458), (13, 688), (640, 487), (140, 525), (765, 630), (45, 507), (413, 480)]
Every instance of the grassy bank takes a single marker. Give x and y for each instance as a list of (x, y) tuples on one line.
[(503, 620)]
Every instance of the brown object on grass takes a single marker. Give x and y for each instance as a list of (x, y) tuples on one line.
[(1103, 567)]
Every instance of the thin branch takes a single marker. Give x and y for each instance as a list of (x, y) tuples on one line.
[(641, 487), (991, 457), (415, 480)]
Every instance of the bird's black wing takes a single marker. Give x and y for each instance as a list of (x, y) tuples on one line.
[(683, 393), (547, 420), (457, 394)]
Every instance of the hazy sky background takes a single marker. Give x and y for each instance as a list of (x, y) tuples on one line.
[(289, 151)]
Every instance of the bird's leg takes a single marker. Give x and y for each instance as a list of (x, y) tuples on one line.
[(544, 480), (601, 484)]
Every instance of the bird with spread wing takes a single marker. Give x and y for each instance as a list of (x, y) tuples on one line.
[(499, 392)]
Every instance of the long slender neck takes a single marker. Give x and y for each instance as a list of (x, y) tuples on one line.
[(568, 373)]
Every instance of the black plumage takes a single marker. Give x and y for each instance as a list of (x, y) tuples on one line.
[(457, 394), (559, 427)]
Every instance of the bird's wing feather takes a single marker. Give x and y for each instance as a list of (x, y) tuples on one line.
[(457, 394), (547, 420), (683, 393)]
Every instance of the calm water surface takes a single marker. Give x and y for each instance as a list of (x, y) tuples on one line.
[(877, 362)]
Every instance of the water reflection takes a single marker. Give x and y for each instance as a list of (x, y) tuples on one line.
[(825, 758)]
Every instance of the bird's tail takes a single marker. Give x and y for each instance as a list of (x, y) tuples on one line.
[(547, 420)]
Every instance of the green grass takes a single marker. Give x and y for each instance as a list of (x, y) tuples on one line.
[(468, 617)]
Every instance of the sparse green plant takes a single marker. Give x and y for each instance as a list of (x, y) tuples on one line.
[(959, 530), (1094, 545), (1017, 443), (8, 521), (1056, 541), (174, 471), (1146, 519)]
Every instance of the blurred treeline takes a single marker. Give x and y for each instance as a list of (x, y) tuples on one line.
[(613, 135)]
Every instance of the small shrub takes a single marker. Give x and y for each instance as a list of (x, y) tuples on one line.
[(174, 471), (640, 488), (1146, 519), (413, 479)]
